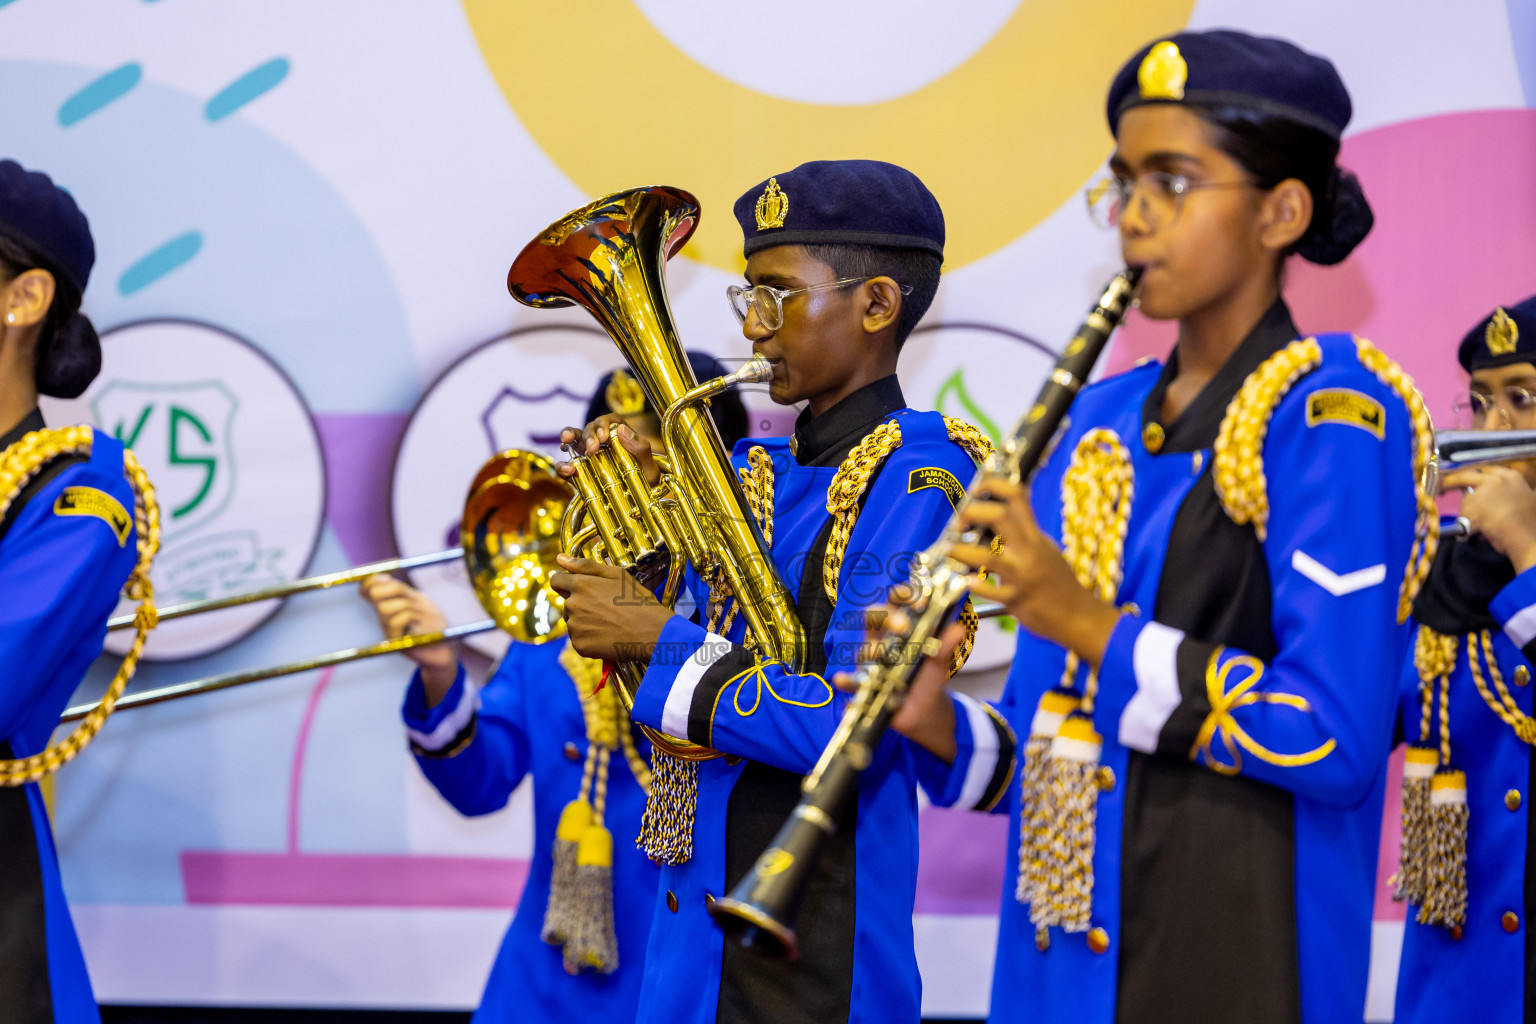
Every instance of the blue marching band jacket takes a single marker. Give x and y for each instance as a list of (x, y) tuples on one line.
[(67, 546), (1466, 947), (857, 961), (475, 746), (1244, 706)]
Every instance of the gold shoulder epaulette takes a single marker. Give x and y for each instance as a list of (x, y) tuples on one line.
[(1427, 532), (1238, 466)]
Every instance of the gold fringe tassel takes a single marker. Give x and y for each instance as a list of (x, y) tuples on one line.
[(1411, 881), (1445, 903), (1036, 813), (1065, 896), (579, 914), (666, 827), (592, 942), (1062, 800)]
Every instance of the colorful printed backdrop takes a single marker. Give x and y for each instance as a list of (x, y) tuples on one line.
[(305, 213)]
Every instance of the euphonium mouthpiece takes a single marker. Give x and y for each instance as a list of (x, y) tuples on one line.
[(756, 370)]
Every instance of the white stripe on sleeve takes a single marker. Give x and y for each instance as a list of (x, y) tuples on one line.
[(453, 724), (674, 713), (984, 753), (1155, 661), (1521, 627)]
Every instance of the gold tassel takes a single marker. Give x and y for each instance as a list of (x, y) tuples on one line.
[(560, 911), (579, 915), (1035, 810), (666, 827), (1445, 903), (592, 942), (1418, 768), (1065, 895)]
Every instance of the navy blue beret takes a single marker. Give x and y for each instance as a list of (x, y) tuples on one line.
[(842, 202), (1233, 69), (1505, 336), (628, 399), (43, 218)]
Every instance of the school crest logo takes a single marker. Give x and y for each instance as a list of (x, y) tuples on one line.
[(236, 464), (181, 435)]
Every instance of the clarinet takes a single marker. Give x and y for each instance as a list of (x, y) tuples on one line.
[(761, 909)]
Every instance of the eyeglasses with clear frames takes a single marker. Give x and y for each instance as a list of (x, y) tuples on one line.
[(1473, 408), (768, 300), (1161, 195)]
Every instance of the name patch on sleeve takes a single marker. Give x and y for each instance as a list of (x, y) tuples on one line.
[(933, 476), (1341, 405), (88, 501)]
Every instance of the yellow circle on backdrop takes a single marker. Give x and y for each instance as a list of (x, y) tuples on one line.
[(1002, 140)]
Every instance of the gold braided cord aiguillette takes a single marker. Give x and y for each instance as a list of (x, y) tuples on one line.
[(846, 489), (979, 447), (20, 463), (1238, 466), (976, 444), (1503, 704), (1427, 535)]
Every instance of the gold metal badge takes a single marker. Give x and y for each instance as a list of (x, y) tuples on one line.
[(1163, 73), (1152, 437), (624, 395), (772, 206), (1502, 334)]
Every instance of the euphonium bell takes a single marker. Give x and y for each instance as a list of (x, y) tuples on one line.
[(608, 257)]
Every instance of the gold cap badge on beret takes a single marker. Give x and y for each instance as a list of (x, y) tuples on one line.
[(1163, 73), (624, 395), (1502, 334), (772, 206)]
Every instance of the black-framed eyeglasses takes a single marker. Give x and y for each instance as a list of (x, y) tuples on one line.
[(768, 300), (1159, 193), (1474, 408)]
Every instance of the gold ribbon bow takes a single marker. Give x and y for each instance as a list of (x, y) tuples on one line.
[(1221, 720)]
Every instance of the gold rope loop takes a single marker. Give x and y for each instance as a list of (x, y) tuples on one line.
[(976, 444), (1238, 467), (607, 720), (1427, 535), (1434, 656), (1504, 704), (979, 447), (1096, 495), (847, 488), (20, 463)]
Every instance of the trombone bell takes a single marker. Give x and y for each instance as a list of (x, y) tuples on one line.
[(511, 534)]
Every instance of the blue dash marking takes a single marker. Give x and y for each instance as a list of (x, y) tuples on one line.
[(152, 267), (100, 92), (247, 87)]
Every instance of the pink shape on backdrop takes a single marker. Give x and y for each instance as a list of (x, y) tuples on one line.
[(960, 868), (350, 880), (359, 457)]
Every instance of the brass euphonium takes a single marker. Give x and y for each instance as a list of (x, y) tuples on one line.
[(607, 257)]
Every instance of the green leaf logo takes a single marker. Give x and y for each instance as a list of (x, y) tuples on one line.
[(953, 394)]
